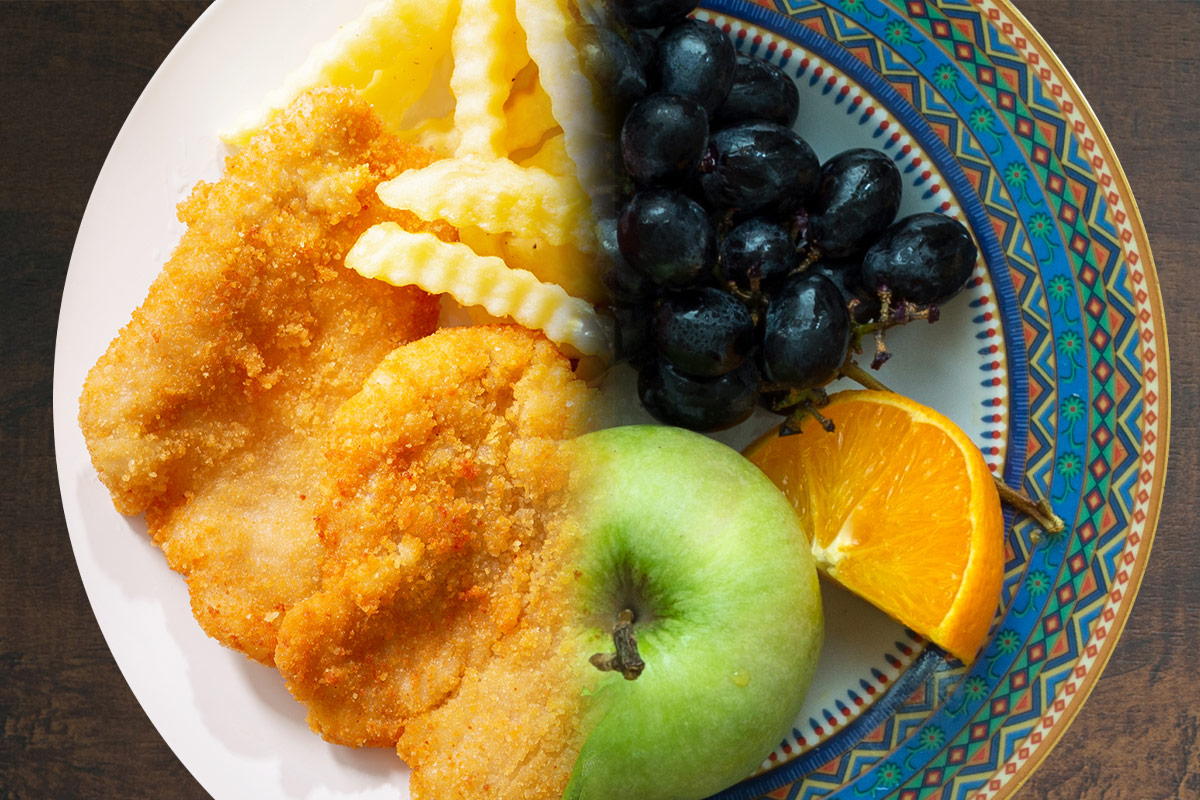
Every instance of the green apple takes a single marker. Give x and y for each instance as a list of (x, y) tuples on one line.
[(706, 674)]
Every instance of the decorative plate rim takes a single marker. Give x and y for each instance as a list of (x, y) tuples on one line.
[(1153, 423), (1162, 445)]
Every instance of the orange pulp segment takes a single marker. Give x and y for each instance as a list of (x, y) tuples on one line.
[(901, 510)]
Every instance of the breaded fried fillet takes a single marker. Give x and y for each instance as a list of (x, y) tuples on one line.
[(209, 411), (445, 495), (515, 725)]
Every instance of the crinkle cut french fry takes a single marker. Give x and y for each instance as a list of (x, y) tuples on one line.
[(551, 157), (484, 38), (525, 77), (496, 196), (437, 134), (388, 53), (388, 252), (482, 242), (529, 117), (547, 25), (564, 266)]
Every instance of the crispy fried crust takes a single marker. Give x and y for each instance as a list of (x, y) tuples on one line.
[(208, 411), (443, 517), (513, 728)]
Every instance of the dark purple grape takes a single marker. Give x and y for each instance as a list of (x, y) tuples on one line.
[(703, 331), (863, 304), (633, 342), (625, 284), (857, 198), (696, 60), (614, 68), (667, 236), (758, 168), (699, 404), (924, 259), (760, 91), (652, 13), (806, 334), (643, 44), (663, 139), (757, 249)]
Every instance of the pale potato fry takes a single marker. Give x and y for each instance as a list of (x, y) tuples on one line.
[(390, 253), (551, 157), (389, 53), (565, 265), (437, 103), (548, 25), (529, 118), (525, 77), (482, 242), (484, 37), (437, 134), (496, 196)]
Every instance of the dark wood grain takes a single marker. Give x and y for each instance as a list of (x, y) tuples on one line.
[(1138, 64), (70, 72)]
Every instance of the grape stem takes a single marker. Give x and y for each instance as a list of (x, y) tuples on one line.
[(1040, 510), (803, 405), (889, 317), (808, 256)]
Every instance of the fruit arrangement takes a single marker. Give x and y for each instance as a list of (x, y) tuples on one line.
[(745, 271), (748, 273), (704, 684)]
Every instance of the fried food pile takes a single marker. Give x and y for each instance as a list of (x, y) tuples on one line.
[(374, 506), (207, 412), (442, 619)]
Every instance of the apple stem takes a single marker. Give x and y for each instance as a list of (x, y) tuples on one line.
[(1039, 511), (626, 660)]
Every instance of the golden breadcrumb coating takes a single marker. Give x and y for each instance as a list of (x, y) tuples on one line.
[(444, 521), (514, 727), (209, 410)]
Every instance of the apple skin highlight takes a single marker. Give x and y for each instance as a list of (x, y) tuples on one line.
[(711, 559)]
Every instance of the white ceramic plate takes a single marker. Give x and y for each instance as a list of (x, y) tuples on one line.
[(231, 721)]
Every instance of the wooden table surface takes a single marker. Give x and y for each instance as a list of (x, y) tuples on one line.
[(69, 73)]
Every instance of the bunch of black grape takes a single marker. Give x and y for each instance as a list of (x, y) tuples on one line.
[(747, 269)]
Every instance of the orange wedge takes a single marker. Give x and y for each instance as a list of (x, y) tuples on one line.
[(901, 510)]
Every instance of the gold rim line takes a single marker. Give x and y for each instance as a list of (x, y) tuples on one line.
[(1153, 505)]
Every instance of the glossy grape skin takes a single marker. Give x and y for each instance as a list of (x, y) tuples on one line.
[(857, 198), (696, 60), (703, 331), (663, 138), (847, 277), (806, 333), (667, 237), (652, 13), (756, 249), (760, 91), (699, 404), (615, 69), (626, 285), (758, 168), (643, 45), (632, 341), (924, 259)]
